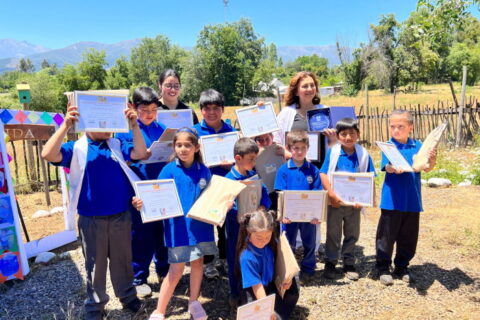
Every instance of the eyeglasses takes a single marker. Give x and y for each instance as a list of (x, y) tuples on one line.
[(170, 86)]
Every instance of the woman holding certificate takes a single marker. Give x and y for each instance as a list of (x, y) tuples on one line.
[(147, 239), (170, 89)]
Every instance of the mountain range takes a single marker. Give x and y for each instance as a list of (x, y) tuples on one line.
[(11, 51)]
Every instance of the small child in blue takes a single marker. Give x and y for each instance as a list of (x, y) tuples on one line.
[(188, 240), (256, 250), (346, 156), (299, 174), (245, 152)]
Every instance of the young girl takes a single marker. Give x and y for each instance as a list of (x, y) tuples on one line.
[(256, 251), (187, 240)]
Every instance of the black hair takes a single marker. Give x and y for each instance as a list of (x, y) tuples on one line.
[(211, 96), (193, 138), (144, 95), (347, 123), (244, 146), (168, 73)]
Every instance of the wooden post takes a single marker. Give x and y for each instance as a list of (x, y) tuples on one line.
[(31, 155), (279, 96), (453, 92), (367, 115), (394, 97), (46, 183), (462, 105)]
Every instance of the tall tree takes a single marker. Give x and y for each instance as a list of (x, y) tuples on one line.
[(92, 68), (118, 75), (25, 65)]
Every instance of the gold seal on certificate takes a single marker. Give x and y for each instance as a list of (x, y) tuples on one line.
[(394, 156), (261, 309), (302, 205), (354, 188), (217, 149), (175, 119), (160, 199), (257, 120), (101, 112)]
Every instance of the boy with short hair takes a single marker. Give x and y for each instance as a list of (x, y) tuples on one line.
[(98, 171), (299, 174), (245, 152), (401, 203), (346, 156)]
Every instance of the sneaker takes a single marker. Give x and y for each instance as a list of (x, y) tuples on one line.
[(330, 272), (143, 290), (156, 316), (210, 271), (134, 306), (404, 274), (350, 272), (385, 278), (221, 265), (306, 277), (196, 311)]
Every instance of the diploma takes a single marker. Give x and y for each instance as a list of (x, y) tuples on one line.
[(394, 156), (304, 206), (160, 199), (101, 112), (354, 188), (261, 309), (257, 120), (161, 152), (217, 149), (176, 118), (314, 146)]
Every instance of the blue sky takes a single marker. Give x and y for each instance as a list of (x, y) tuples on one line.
[(58, 23)]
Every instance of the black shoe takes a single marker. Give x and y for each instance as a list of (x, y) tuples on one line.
[(330, 272), (350, 272), (404, 274), (134, 306), (94, 315), (306, 277)]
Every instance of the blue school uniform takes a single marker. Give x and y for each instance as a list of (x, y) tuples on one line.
[(232, 227), (97, 191), (256, 265), (346, 162), (402, 192), (190, 182), (305, 177), (147, 238)]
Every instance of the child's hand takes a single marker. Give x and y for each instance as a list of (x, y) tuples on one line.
[(279, 150), (148, 155), (286, 221), (288, 154), (260, 103), (335, 201), (230, 205), (137, 203), (432, 159), (287, 285), (391, 169), (331, 135), (315, 221), (357, 206), (273, 316), (131, 116), (71, 117)]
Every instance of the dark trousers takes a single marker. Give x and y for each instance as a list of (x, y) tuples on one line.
[(274, 199), (308, 234), (147, 243), (400, 228), (232, 228), (106, 242), (283, 306), (221, 245), (346, 219)]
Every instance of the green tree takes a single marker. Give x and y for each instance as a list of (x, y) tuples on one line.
[(462, 55), (313, 63), (92, 68), (25, 65), (45, 64), (71, 79), (118, 75), (47, 92)]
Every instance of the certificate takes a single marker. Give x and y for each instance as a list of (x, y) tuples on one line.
[(420, 161), (314, 146), (394, 156), (217, 149), (101, 112), (257, 120), (304, 206), (176, 118), (161, 152), (160, 199), (261, 309), (354, 188)]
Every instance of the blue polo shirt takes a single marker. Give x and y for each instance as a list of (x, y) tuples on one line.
[(291, 177), (204, 130), (150, 133), (190, 182), (256, 265), (402, 192), (106, 189), (264, 201), (346, 162)]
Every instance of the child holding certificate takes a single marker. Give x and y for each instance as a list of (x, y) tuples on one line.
[(256, 250), (147, 238), (401, 203), (212, 106), (245, 152), (299, 174), (97, 172), (188, 240), (346, 156)]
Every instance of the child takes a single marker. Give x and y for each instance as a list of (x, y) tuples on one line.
[(147, 238), (245, 153), (346, 156), (188, 240), (212, 106), (256, 252), (299, 174), (98, 172), (401, 203)]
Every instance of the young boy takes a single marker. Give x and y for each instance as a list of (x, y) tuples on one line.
[(98, 174), (346, 156), (401, 203), (245, 152), (212, 106), (299, 174)]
